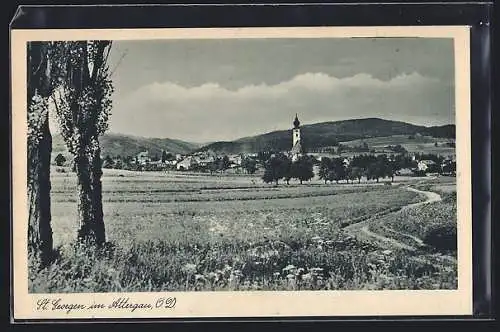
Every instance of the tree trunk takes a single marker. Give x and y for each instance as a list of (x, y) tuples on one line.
[(39, 228), (359, 180), (90, 214), (39, 152)]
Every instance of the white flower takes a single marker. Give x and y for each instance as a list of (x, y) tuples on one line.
[(189, 268), (289, 267)]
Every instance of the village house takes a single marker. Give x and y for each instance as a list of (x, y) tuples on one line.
[(204, 160), (423, 165), (143, 158), (235, 159), (186, 164)]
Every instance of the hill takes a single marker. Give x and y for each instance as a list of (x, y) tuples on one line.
[(329, 134), (124, 145)]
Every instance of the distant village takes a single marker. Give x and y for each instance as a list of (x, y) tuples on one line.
[(417, 164)]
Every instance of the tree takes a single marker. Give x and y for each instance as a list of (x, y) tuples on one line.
[(276, 168), (223, 163), (303, 169), (324, 168), (356, 173), (83, 106), (249, 165), (288, 170), (41, 81), (163, 156), (60, 160), (337, 170)]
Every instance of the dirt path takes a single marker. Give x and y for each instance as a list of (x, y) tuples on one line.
[(361, 229)]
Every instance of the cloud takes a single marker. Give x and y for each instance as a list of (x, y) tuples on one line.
[(211, 112)]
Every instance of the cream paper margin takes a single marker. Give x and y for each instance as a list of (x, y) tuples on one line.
[(259, 303)]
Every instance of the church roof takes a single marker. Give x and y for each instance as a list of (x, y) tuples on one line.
[(297, 148)]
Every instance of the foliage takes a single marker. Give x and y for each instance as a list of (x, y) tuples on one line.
[(83, 103), (276, 168), (302, 169), (249, 165), (441, 236)]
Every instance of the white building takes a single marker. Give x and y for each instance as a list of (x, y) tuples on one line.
[(186, 164), (423, 165), (143, 158)]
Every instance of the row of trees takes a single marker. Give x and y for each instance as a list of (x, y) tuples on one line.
[(369, 166), (75, 77), (281, 166)]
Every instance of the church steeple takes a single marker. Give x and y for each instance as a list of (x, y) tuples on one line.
[(296, 122)]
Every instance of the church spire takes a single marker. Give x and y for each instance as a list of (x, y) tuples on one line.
[(296, 122)]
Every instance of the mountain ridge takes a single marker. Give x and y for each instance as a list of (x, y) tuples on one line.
[(329, 133), (116, 144)]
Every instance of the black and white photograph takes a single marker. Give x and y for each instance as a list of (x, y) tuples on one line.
[(242, 164)]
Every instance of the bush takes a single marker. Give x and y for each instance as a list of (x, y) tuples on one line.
[(441, 236)]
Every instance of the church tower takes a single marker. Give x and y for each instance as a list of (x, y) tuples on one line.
[(296, 131)]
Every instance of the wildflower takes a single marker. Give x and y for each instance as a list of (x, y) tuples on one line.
[(212, 275), (290, 276), (199, 277), (307, 276), (289, 267), (189, 268), (317, 269), (276, 274), (387, 252)]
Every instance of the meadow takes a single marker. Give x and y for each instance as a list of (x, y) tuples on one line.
[(180, 231)]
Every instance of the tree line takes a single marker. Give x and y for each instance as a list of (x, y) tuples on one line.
[(280, 166), (369, 166), (75, 77)]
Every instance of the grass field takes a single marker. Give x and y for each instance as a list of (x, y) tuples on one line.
[(198, 232)]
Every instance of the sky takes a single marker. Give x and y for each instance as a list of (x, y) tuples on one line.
[(210, 90)]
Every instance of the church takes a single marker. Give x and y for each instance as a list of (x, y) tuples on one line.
[(297, 150)]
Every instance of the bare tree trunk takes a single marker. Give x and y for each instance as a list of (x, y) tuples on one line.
[(90, 213), (39, 152), (39, 228), (96, 174)]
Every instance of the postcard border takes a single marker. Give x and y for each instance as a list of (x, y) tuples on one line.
[(329, 303)]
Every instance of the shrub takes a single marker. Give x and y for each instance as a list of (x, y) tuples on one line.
[(441, 236)]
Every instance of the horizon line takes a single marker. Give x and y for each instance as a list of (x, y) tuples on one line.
[(268, 132)]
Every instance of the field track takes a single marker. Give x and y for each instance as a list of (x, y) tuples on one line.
[(362, 228)]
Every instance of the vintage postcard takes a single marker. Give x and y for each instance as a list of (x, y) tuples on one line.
[(255, 172)]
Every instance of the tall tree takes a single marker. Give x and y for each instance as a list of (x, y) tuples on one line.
[(83, 106), (303, 169), (249, 164), (40, 86), (276, 168), (324, 168)]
